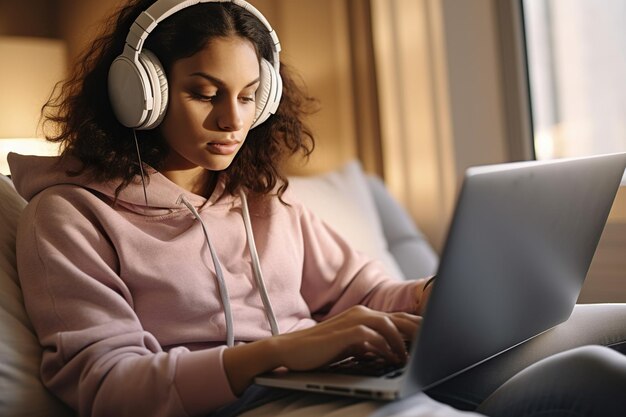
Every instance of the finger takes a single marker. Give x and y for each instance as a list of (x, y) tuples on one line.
[(384, 325), (366, 340), (407, 325)]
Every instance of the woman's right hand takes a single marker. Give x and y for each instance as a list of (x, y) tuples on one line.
[(357, 331)]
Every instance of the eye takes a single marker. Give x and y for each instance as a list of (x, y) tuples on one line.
[(248, 99), (201, 97)]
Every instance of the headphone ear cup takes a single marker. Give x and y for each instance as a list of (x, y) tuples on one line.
[(158, 84), (130, 99), (268, 94)]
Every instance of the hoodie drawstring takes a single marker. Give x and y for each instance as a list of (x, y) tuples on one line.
[(256, 266), (230, 335)]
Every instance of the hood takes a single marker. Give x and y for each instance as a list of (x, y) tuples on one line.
[(33, 174)]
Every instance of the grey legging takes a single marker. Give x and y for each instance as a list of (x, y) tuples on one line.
[(564, 378)]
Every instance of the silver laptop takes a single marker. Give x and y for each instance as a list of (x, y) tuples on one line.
[(518, 249)]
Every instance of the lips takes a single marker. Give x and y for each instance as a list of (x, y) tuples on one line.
[(223, 148)]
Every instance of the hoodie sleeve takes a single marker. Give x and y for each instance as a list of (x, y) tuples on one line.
[(96, 355), (337, 277)]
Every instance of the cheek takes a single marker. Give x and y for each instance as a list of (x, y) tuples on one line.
[(182, 116), (186, 112), (249, 118)]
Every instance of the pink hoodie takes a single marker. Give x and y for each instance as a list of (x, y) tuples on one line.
[(124, 298)]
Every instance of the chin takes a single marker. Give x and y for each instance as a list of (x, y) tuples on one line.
[(219, 165)]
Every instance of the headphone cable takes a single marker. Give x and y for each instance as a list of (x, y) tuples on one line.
[(143, 178)]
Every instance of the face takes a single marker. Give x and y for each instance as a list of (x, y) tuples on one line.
[(211, 105)]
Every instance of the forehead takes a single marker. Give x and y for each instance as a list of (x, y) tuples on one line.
[(231, 56)]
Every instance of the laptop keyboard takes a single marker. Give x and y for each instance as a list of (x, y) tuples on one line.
[(375, 367)]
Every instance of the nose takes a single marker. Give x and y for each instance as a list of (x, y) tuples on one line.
[(229, 116)]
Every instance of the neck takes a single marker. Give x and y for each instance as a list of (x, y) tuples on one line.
[(198, 181)]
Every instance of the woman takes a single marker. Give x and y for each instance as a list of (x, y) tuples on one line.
[(163, 262), (134, 296)]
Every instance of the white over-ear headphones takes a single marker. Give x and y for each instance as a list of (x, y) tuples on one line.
[(137, 82)]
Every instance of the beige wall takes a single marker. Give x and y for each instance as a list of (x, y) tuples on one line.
[(315, 40), (441, 100), (80, 20), (41, 63), (29, 18)]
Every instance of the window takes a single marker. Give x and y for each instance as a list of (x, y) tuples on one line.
[(576, 52)]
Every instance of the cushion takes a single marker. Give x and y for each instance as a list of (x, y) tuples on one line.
[(408, 245), (342, 199), (21, 391)]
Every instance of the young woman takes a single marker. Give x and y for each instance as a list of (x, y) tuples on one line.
[(163, 262), (143, 291)]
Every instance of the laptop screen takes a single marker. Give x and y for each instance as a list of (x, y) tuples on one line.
[(518, 250)]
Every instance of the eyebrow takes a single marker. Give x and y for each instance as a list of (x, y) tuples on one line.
[(219, 82)]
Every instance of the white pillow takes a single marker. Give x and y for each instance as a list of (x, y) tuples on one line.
[(21, 390), (343, 200)]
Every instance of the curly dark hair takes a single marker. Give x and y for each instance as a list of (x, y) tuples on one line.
[(84, 123)]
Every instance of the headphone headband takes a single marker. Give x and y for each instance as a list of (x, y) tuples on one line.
[(162, 9)]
